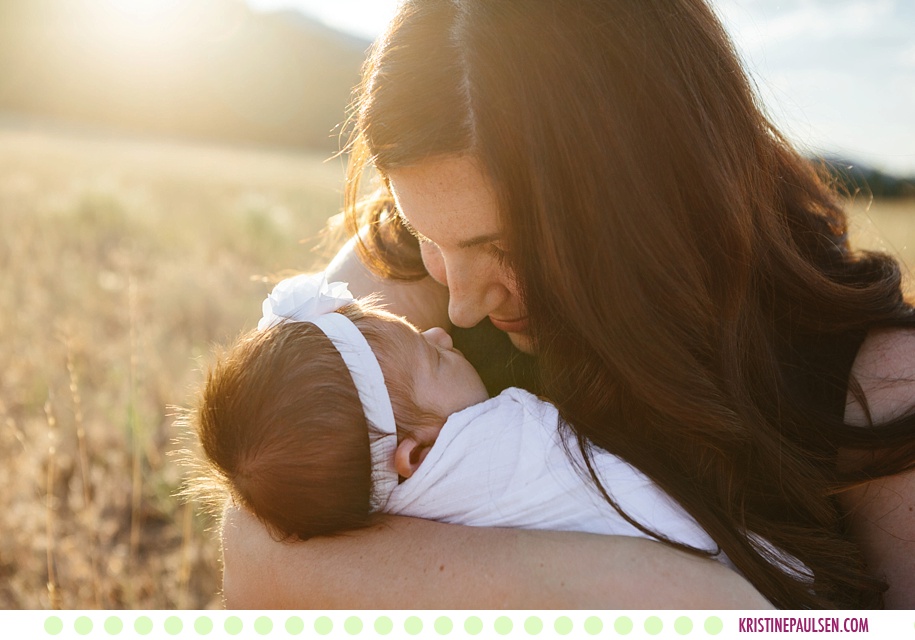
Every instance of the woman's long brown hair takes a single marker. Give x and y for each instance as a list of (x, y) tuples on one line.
[(675, 255)]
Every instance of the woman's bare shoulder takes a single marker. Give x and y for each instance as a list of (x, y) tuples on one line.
[(881, 512), (423, 302), (885, 370)]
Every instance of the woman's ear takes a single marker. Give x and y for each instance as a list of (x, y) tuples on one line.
[(409, 454)]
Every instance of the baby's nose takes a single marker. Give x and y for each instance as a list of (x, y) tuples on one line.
[(439, 337)]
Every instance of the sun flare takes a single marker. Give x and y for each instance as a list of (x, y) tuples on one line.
[(143, 11)]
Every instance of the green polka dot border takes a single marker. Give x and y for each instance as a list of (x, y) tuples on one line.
[(473, 625), (173, 625), (83, 625), (683, 625), (384, 625), (623, 625), (653, 625), (203, 625), (503, 625), (593, 625), (323, 626), (563, 625), (533, 625), (233, 625), (413, 625), (263, 625), (53, 625), (395, 624), (143, 625), (443, 625), (295, 625), (353, 626), (113, 625), (713, 625)]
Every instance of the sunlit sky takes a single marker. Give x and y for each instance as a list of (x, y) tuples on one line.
[(365, 18), (838, 76)]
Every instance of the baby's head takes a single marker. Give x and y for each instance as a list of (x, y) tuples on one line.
[(284, 426)]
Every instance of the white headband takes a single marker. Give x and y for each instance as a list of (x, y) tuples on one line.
[(310, 298)]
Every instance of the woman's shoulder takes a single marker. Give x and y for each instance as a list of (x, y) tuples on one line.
[(423, 302), (885, 370), (880, 512)]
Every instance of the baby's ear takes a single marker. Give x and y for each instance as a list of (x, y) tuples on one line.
[(409, 455)]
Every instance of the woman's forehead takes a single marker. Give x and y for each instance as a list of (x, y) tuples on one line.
[(447, 199)]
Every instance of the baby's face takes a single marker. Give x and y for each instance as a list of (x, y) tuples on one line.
[(444, 381)]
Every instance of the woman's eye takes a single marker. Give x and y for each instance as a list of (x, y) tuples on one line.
[(497, 252)]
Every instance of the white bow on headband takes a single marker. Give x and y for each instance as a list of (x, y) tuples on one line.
[(310, 298)]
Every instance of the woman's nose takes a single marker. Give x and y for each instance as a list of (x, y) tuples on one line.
[(472, 296), (439, 337), (473, 290)]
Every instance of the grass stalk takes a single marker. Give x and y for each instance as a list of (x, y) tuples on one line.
[(136, 474), (83, 456), (187, 536), (53, 589)]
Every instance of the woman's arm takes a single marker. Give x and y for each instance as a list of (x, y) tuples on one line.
[(883, 511), (405, 563)]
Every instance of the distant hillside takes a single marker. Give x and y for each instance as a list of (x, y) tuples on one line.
[(202, 69), (855, 177)]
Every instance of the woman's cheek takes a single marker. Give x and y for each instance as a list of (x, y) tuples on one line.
[(434, 262)]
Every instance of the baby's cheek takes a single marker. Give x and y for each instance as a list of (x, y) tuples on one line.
[(434, 262)]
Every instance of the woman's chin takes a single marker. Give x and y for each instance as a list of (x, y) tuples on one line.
[(523, 342)]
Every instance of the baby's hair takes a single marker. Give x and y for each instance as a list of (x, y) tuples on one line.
[(283, 429)]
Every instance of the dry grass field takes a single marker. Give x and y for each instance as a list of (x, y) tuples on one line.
[(121, 263), (886, 225)]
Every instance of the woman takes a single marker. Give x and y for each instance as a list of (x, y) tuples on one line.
[(595, 179)]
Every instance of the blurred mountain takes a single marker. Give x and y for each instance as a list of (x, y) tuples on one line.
[(199, 69), (853, 177)]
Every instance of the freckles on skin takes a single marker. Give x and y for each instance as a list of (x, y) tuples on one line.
[(447, 200)]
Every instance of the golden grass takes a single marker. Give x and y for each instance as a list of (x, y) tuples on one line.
[(886, 225), (121, 263)]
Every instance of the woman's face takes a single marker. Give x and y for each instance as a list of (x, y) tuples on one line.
[(449, 205)]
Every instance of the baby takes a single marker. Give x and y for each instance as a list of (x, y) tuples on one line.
[(334, 409)]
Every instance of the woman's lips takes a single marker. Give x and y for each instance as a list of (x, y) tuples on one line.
[(518, 325)]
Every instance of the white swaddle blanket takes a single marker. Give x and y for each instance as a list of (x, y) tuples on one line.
[(502, 463)]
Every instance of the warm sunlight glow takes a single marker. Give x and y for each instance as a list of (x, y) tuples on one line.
[(136, 22), (148, 15), (142, 10), (155, 31)]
